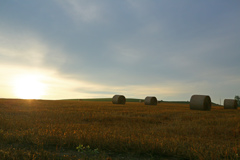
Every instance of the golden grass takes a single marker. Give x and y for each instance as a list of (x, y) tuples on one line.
[(37, 129)]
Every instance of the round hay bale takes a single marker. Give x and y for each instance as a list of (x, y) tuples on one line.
[(230, 104), (200, 102), (150, 101), (118, 99)]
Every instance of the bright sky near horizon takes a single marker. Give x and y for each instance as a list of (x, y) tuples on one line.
[(57, 49)]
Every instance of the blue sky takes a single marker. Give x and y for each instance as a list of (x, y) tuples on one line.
[(90, 48)]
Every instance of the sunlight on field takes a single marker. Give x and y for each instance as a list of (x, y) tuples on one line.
[(55, 128), (29, 87)]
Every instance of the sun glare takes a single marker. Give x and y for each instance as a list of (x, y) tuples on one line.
[(29, 87)]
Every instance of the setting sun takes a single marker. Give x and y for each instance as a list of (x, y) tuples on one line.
[(29, 87)]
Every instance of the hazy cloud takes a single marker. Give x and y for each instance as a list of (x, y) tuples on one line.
[(133, 47)]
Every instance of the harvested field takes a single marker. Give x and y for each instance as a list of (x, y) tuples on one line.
[(39, 129)]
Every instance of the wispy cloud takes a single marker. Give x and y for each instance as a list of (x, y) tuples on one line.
[(21, 49), (28, 48), (83, 11)]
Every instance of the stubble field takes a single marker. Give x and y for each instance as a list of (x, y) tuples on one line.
[(38, 129)]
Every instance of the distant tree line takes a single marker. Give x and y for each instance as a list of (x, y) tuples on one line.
[(238, 99)]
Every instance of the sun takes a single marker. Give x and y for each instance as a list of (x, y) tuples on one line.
[(29, 87)]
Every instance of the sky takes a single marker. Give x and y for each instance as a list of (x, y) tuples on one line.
[(64, 49)]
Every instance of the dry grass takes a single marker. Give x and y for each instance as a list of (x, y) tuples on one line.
[(34, 129)]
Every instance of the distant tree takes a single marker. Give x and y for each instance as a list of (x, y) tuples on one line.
[(238, 100)]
